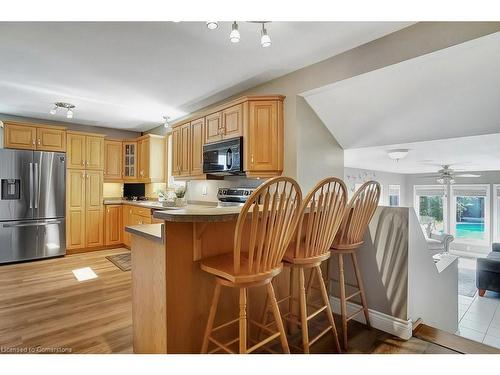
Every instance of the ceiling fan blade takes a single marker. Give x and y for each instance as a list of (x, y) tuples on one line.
[(467, 175), (430, 176)]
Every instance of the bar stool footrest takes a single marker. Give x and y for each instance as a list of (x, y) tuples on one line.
[(354, 314)]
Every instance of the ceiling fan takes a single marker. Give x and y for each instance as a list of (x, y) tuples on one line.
[(446, 175)]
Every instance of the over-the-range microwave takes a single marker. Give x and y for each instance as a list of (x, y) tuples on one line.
[(224, 158)]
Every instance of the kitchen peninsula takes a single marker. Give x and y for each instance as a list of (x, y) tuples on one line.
[(171, 294)]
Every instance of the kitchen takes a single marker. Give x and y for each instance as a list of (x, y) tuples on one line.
[(126, 211)]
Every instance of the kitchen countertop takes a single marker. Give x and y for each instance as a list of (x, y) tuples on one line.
[(147, 204), (152, 232), (198, 213)]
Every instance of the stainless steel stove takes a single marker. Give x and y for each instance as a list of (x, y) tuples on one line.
[(233, 196)]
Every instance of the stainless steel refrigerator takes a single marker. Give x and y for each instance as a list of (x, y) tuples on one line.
[(32, 205)]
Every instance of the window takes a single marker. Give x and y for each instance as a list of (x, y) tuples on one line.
[(496, 212), (394, 195), (430, 206), (470, 213)]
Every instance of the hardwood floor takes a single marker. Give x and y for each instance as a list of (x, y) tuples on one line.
[(44, 308)]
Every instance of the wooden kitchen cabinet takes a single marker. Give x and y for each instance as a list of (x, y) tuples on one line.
[(113, 225), (75, 209), (232, 122), (127, 220), (51, 139), (129, 160), (263, 145), (196, 147), (176, 151), (94, 148), (85, 151), (94, 208), (151, 151), (185, 157), (113, 161), (213, 125), (75, 157), (34, 137)]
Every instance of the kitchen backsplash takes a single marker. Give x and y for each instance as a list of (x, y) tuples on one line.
[(206, 190)]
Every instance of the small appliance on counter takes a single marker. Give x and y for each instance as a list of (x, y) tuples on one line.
[(134, 192), (233, 196)]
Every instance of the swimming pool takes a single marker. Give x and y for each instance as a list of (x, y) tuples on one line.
[(470, 230)]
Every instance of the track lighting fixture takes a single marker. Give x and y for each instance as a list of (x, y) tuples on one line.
[(166, 123), (265, 39), (67, 106), (234, 37)]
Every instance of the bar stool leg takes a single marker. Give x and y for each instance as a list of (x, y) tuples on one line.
[(277, 317), (329, 313), (211, 316), (343, 305), (303, 311), (361, 288), (310, 282), (243, 320), (291, 326)]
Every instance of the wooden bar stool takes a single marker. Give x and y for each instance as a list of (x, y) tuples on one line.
[(263, 232), (348, 240), (321, 213)]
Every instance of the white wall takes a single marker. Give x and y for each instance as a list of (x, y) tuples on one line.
[(353, 176)]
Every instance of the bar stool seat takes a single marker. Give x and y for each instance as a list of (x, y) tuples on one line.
[(290, 259), (223, 266)]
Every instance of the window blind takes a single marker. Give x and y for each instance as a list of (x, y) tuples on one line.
[(470, 191), (430, 191)]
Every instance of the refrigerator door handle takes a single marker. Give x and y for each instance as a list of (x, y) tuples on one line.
[(31, 185), (32, 224), (36, 185)]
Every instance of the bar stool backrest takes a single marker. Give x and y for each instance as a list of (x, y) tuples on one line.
[(320, 218), (357, 216), (266, 225)]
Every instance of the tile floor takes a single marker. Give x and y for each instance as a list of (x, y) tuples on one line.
[(479, 317)]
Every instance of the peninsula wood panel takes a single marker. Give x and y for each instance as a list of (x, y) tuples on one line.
[(94, 150), (51, 139), (76, 154), (197, 137), (75, 209), (213, 124), (113, 160), (265, 138), (113, 225), (19, 136), (232, 122)]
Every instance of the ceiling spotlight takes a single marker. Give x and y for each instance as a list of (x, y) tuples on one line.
[(67, 106), (397, 154), (212, 25), (265, 39), (234, 37)]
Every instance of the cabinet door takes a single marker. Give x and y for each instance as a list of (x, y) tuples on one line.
[(143, 149), (265, 141), (48, 139), (75, 209), (19, 136), (127, 220), (75, 154), (113, 225), (113, 160), (130, 160), (176, 146), (94, 153), (185, 150), (94, 207), (197, 128), (213, 125), (232, 121)]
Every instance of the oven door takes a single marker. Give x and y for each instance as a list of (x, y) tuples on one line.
[(223, 158)]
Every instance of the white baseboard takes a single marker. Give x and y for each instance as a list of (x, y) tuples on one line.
[(390, 324)]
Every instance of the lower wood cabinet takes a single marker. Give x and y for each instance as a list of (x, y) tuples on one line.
[(134, 215), (113, 226), (84, 209)]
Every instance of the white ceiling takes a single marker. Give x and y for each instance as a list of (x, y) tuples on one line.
[(477, 153), (127, 75), (450, 93)]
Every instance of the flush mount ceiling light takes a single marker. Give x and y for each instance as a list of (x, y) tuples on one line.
[(397, 154), (67, 106), (234, 37), (212, 25)]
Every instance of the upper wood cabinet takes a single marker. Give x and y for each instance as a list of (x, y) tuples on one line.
[(129, 160), (85, 151), (112, 160), (197, 130), (34, 137), (151, 166), (258, 119), (264, 139)]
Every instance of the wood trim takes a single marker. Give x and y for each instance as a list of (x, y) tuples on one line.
[(85, 133), (210, 110), (97, 248), (21, 123)]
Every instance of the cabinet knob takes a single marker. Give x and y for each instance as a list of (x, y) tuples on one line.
[(33, 142), (39, 142), (83, 163), (251, 158), (83, 175)]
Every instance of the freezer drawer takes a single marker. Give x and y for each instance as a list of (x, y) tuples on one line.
[(31, 239)]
